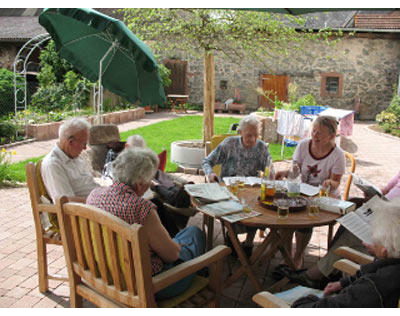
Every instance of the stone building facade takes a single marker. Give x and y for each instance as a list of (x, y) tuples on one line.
[(367, 66)]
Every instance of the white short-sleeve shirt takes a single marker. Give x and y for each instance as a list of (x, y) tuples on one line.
[(314, 171), (65, 176)]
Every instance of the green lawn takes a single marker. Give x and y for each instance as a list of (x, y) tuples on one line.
[(159, 136)]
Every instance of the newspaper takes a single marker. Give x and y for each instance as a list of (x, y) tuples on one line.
[(290, 296), (308, 189), (232, 218), (368, 188), (208, 192), (246, 180), (221, 208), (359, 221), (335, 205)]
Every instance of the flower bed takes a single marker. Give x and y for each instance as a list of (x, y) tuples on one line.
[(50, 130)]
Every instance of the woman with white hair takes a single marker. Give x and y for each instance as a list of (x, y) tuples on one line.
[(133, 170), (375, 284), (244, 155)]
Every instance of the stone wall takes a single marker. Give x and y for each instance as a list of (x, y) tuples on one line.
[(369, 67)]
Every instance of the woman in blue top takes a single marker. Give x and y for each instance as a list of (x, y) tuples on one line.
[(243, 155)]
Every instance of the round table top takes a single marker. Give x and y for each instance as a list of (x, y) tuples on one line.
[(269, 218)]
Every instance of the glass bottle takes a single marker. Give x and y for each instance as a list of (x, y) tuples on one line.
[(264, 181), (294, 180)]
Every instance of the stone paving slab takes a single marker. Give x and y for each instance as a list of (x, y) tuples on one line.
[(377, 158)]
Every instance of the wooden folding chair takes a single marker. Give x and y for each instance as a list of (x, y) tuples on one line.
[(44, 235), (346, 192), (109, 265)]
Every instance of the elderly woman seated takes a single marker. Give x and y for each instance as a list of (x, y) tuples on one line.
[(375, 284), (243, 155), (133, 170)]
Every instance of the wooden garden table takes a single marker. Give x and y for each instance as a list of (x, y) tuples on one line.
[(178, 99), (280, 230)]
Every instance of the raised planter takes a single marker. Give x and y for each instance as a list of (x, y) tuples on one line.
[(220, 107), (188, 153), (241, 107), (48, 131)]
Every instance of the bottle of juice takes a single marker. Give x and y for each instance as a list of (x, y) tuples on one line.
[(264, 181)]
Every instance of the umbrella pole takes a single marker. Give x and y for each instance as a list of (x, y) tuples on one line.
[(100, 103)]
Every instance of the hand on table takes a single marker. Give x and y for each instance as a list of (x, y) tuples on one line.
[(279, 175), (213, 178), (332, 287)]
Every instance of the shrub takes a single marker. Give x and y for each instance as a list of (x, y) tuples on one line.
[(5, 172), (8, 129), (7, 91)]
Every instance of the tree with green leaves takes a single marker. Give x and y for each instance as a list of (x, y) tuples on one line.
[(233, 34)]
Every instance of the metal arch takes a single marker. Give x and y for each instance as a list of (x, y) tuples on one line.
[(20, 67)]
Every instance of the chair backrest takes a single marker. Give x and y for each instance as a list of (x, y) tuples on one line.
[(111, 256), (215, 141), (36, 190), (352, 168)]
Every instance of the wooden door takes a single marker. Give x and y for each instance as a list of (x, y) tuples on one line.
[(178, 76), (276, 85)]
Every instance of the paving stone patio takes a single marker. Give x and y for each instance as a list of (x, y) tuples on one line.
[(377, 157)]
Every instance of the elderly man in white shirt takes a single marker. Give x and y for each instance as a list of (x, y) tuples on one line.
[(63, 171)]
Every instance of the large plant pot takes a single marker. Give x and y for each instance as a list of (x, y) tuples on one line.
[(188, 153)]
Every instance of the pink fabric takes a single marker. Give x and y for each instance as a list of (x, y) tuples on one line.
[(393, 188), (346, 125)]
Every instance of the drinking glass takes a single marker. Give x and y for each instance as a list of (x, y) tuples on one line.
[(269, 193), (324, 190), (283, 209), (246, 207), (313, 208)]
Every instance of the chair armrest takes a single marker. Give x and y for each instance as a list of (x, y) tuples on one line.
[(346, 266), (208, 148), (354, 255), (164, 279), (268, 300), (49, 208)]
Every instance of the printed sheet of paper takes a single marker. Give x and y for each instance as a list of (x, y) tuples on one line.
[(357, 226), (359, 221), (308, 189), (240, 216), (211, 192), (222, 208), (247, 180), (368, 188)]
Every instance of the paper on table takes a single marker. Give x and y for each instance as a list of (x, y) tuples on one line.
[(305, 188), (247, 180), (232, 218), (221, 208), (211, 192), (308, 189)]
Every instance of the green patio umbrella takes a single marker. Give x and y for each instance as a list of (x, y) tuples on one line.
[(103, 49)]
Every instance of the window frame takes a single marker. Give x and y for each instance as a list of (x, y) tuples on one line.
[(324, 92)]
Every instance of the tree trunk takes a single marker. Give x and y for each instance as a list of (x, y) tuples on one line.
[(209, 97)]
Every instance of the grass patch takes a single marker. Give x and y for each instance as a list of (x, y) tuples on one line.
[(159, 136)]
